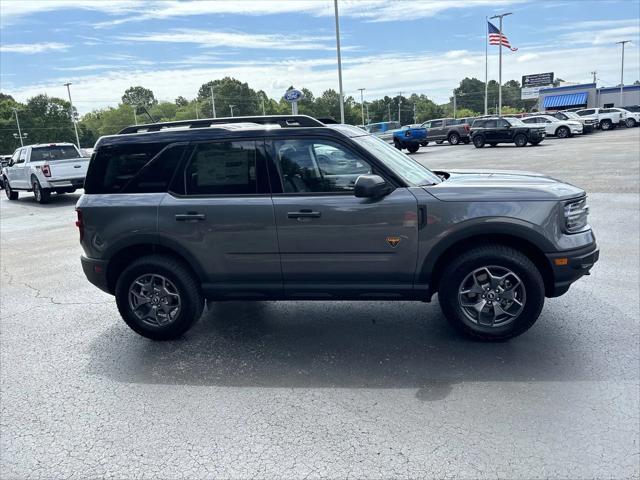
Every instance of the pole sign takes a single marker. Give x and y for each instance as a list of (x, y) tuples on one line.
[(293, 96), (531, 85)]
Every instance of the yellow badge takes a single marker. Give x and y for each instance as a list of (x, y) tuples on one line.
[(393, 241)]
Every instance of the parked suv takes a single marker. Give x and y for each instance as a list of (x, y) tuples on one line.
[(608, 118), (495, 130), (287, 208), (555, 127), (449, 129)]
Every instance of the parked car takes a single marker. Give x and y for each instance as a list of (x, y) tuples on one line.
[(384, 130), (497, 130), (4, 161), (608, 118), (243, 211), (410, 137), (632, 108), (449, 129), (630, 119), (44, 168), (589, 122), (555, 127)]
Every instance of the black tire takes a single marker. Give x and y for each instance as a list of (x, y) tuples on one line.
[(454, 138), (496, 256), (43, 195), (478, 141), (186, 286), (606, 124), (630, 122), (439, 142), (11, 194), (413, 148), (520, 140), (397, 145), (563, 132)]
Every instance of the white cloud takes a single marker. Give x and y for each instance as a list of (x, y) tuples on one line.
[(31, 48), (603, 36), (137, 11), (422, 72), (212, 39)]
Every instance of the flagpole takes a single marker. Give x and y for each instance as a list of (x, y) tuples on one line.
[(500, 63), (486, 63)]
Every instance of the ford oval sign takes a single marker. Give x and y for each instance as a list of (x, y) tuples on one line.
[(293, 95)]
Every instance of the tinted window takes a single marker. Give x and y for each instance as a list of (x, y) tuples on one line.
[(436, 123), (317, 166), (530, 120), (582, 113), (156, 175), (114, 166), (478, 123), (560, 116), (633, 108), (450, 121), (222, 168), (502, 123), (52, 153), (607, 105)]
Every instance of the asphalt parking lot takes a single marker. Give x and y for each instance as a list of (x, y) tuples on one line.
[(315, 389)]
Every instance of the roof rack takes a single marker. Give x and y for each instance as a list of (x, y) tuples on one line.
[(285, 121)]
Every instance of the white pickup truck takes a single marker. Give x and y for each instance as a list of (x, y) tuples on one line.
[(44, 168), (608, 118)]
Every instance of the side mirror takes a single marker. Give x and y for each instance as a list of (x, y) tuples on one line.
[(371, 186)]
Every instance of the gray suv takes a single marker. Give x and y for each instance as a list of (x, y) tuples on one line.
[(288, 208)]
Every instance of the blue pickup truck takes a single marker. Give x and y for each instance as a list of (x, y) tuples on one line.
[(411, 137)]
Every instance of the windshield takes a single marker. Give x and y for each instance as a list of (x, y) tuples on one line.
[(55, 152), (402, 165), (516, 122)]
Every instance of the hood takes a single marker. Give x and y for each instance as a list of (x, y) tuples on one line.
[(500, 185)]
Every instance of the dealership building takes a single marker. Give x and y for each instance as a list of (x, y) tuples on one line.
[(587, 95)]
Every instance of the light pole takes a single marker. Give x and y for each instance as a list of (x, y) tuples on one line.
[(213, 102), (231, 107), (500, 62), (368, 117), (362, 103), (399, 104), (335, 7), (15, 110), (73, 119), (622, 73), (454, 104)]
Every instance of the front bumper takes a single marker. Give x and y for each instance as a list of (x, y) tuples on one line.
[(96, 272), (569, 266)]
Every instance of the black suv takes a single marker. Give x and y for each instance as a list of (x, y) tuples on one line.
[(497, 130)]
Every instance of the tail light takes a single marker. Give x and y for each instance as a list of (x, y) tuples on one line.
[(79, 223), (46, 170), (466, 127)]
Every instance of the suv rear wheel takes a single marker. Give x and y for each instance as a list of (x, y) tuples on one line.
[(158, 297), (478, 141), (606, 124), (492, 292), (563, 132), (454, 138), (630, 122)]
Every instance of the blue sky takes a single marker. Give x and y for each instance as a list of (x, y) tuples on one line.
[(427, 46)]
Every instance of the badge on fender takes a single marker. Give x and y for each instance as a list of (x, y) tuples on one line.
[(393, 241)]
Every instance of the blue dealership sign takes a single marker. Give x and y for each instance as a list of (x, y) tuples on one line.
[(293, 95)]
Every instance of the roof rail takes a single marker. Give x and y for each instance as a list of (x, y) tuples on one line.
[(285, 121)]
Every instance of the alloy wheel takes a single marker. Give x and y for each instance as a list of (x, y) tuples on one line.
[(491, 296), (154, 299)]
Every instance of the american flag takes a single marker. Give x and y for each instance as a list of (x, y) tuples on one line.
[(494, 37)]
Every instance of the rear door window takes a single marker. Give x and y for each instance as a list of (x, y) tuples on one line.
[(156, 175), (582, 113), (225, 168), (436, 123)]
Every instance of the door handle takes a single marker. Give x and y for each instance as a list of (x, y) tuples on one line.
[(303, 214), (190, 217)]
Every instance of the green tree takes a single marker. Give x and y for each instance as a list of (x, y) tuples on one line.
[(229, 91), (181, 101), (139, 97)]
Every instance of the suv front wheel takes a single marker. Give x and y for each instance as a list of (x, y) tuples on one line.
[(492, 293), (159, 297)]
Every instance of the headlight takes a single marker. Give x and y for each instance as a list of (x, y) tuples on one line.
[(575, 215)]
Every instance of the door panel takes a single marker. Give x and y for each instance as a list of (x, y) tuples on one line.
[(332, 244), (224, 222)]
